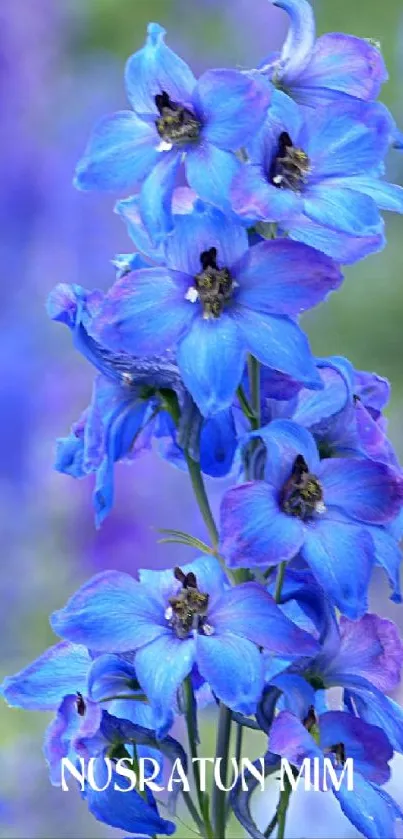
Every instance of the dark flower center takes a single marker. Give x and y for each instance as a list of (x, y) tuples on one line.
[(213, 286), (176, 124), (302, 494), (290, 167), (339, 751), (188, 609), (80, 704)]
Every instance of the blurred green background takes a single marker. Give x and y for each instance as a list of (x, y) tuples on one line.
[(61, 68)]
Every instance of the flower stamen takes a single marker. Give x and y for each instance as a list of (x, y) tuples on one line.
[(214, 286), (302, 494), (176, 125), (187, 609), (290, 167)]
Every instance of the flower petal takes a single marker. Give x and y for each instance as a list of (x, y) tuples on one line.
[(388, 555), (279, 343), (204, 228), (343, 63), (364, 489), (43, 684), (254, 531), (210, 172), (300, 40), (341, 208), (129, 210), (233, 667), (111, 612), (283, 278), (366, 744), (370, 648), (207, 570), (284, 441), (144, 312), (339, 555), (154, 69), (386, 196), (367, 808), (253, 198), (233, 106), (342, 247), (112, 675), (161, 668), (211, 359), (290, 739), (270, 628), (120, 154), (347, 144), (218, 444), (157, 193), (129, 812)]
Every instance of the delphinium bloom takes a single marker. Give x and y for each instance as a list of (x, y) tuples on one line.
[(175, 620), (133, 401), (337, 736), (317, 175), (327, 70), (364, 658), (174, 117), (61, 680), (346, 417), (332, 512), (214, 299)]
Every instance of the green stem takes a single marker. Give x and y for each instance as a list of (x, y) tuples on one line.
[(238, 755), (192, 737), (193, 811), (270, 827), (199, 490), (280, 581), (247, 408), (282, 809), (222, 751), (254, 385)]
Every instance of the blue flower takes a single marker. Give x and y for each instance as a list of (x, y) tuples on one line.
[(332, 512), (338, 736), (345, 417), (317, 175), (67, 680), (325, 71), (174, 620), (214, 300), (174, 117), (362, 657), (131, 404)]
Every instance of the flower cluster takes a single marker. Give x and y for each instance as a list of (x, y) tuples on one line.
[(198, 347)]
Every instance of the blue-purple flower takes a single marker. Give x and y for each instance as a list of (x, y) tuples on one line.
[(174, 117), (214, 300), (332, 512), (66, 680), (177, 620), (327, 70), (337, 736), (318, 176), (345, 417), (134, 401)]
